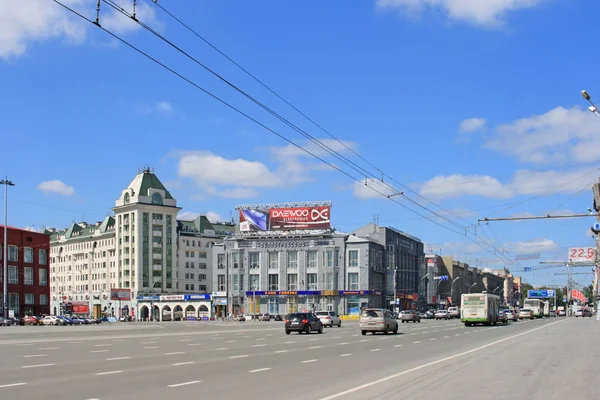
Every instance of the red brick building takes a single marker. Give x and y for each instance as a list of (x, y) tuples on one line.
[(28, 271)]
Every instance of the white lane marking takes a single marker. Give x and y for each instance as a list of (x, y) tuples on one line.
[(231, 341), (418, 341), (222, 348), (154, 338), (245, 336), (242, 356), (346, 355), (118, 340), (289, 342), (309, 361), (458, 334), (343, 343), (38, 366), (183, 384), (270, 334), (48, 348), (281, 351), (186, 340), (148, 342), (312, 340), (376, 350), (35, 355), (336, 337), (422, 366), (98, 351), (13, 384), (118, 358), (258, 345), (151, 347), (466, 333), (103, 345), (315, 347), (363, 340), (174, 353), (384, 338), (354, 335), (432, 338), (446, 337), (195, 344), (259, 370), (75, 342), (398, 345), (183, 363), (261, 338), (25, 344)]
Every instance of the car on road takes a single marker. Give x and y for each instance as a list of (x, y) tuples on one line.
[(511, 315), (502, 317), (553, 313), (453, 312), (562, 313), (430, 314), (526, 313), (302, 322), (409, 316), (30, 320), (265, 317), (329, 318), (239, 318), (5, 321), (583, 313), (50, 320), (377, 320), (441, 314)]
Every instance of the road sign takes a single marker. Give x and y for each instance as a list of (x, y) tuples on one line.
[(564, 299), (442, 277), (541, 294), (582, 254), (527, 269)]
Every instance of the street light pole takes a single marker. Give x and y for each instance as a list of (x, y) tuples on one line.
[(424, 276), (471, 287), (451, 286), (6, 184)]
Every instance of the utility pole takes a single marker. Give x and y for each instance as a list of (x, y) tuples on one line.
[(5, 304)]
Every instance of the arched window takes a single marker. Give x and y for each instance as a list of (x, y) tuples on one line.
[(126, 198)]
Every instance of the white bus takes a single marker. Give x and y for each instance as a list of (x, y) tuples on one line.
[(479, 308), (535, 305)]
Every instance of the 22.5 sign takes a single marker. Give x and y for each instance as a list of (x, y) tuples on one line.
[(582, 254)]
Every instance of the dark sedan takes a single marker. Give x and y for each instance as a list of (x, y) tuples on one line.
[(302, 322)]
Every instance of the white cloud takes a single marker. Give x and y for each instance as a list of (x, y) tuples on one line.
[(372, 189), (531, 246), (23, 22), (488, 13), (164, 107), (56, 186), (471, 125), (213, 217), (524, 182), (238, 193), (190, 216), (558, 135)]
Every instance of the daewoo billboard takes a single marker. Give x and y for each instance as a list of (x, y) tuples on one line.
[(289, 218)]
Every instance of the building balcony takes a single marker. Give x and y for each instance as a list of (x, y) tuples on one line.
[(157, 268), (157, 256)]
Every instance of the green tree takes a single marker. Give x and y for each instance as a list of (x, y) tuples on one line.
[(588, 292)]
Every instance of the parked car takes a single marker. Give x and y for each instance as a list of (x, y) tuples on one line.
[(526, 313), (329, 318), (5, 321), (502, 317), (562, 313), (453, 312), (30, 320), (239, 318), (50, 320), (17, 321), (265, 317), (302, 322), (66, 320), (441, 314), (409, 316), (377, 320)]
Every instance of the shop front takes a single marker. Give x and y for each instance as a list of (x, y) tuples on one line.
[(219, 302)]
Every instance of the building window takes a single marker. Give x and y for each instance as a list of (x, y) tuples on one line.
[(292, 259), (311, 281), (254, 282), (201, 277), (273, 260), (221, 261), (235, 257), (254, 260), (242, 283), (28, 255), (29, 298), (201, 254), (353, 258), (311, 258), (43, 277), (353, 281), (13, 275), (292, 281), (202, 288), (28, 276), (329, 282), (273, 281), (221, 283), (43, 299), (329, 258), (13, 302), (201, 265), (13, 253), (236, 282)]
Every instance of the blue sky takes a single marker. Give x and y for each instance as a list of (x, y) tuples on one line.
[(473, 106)]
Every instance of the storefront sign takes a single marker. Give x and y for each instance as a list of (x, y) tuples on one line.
[(191, 297), (173, 297)]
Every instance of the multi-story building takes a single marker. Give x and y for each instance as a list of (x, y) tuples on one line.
[(83, 267), (404, 261), (28, 272)]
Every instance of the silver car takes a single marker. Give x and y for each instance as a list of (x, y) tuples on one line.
[(377, 320)]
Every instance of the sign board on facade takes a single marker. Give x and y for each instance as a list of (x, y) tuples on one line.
[(582, 254), (311, 293), (541, 294), (285, 219), (219, 294), (79, 307), (120, 294), (172, 297)]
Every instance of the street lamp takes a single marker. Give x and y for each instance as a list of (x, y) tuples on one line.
[(6, 184), (451, 285), (494, 291), (471, 287), (592, 107), (421, 280)]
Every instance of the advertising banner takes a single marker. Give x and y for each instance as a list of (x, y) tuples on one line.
[(582, 254), (80, 307), (120, 294), (277, 219)]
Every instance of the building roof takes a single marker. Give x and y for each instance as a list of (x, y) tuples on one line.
[(202, 225), (82, 230), (358, 239), (146, 180)]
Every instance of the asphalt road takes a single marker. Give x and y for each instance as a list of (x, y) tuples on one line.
[(550, 359)]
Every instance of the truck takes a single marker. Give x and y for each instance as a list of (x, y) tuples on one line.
[(479, 308)]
